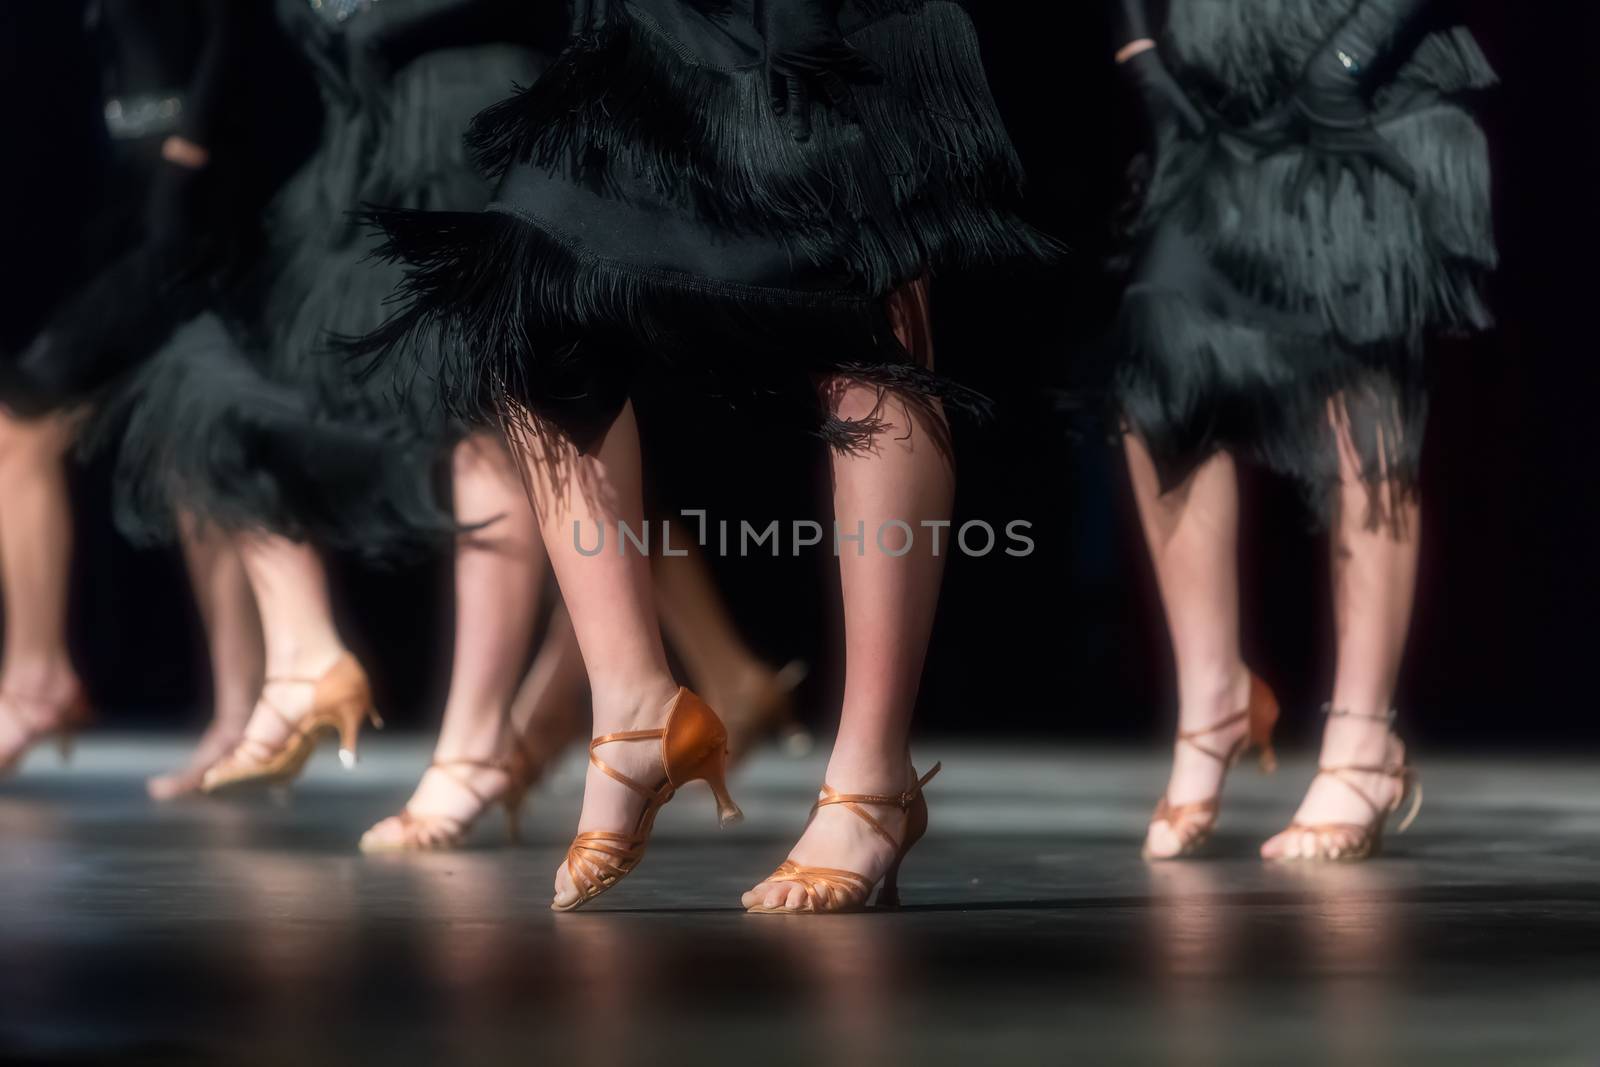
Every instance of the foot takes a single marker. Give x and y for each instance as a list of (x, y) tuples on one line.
[(455, 792), (1341, 812), (33, 707), (608, 805), (287, 696), (838, 839), (217, 741), (1197, 777)]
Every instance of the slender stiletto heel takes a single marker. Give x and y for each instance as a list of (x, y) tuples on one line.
[(62, 724), (1361, 841), (830, 890), (694, 747), (1195, 822), (341, 704)]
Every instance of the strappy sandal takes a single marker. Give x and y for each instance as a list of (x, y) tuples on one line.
[(1193, 823), (829, 890), (341, 702), (1344, 842), (694, 747), (422, 832)]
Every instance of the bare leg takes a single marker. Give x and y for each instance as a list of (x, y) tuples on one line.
[(752, 698), (233, 638), (37, 680), (1374, 586), (498, 572), (611, 599), (905, 476), (301, 641), (1193, 537), (547, 712)]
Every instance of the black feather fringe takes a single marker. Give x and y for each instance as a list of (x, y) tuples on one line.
[(527, 322), (923, 174)]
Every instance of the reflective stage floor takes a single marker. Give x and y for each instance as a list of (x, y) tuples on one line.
[(250, 931)]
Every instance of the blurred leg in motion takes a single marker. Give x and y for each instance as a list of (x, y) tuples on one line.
[(233, 639), (753, 699), (611, 599), (1193, 533), (40, 692), (903, 476), (478, 761), (311, 685), (1375, 547)]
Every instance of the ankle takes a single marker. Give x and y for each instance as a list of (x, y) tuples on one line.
[(1358, 739), (302, 657), (1206, 697), (855, 768), (46, 677), (486, 738), (638, 706)]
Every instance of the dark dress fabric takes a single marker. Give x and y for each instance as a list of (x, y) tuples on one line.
[(1252, 323), (274, 429), (654, 215), (160, 237)]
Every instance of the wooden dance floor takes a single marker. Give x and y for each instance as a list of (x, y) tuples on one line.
[(250, 932)]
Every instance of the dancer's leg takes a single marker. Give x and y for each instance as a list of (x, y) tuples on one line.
[(1192, 533), (498, 570), (233, 639), (37, 679), (1374, 571), (904, 476)]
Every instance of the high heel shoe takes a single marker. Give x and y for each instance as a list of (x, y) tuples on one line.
[(341, 703), (421, 832), (1194, 822), (830, 890), (694, 747), (62, 723), (1344, 842)]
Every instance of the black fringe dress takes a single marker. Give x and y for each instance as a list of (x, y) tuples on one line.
[(654, 215), (254, 420), (1248, 315)]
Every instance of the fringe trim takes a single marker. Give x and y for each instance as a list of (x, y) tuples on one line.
[(1192, 384), (512, 315), (914, 181), (1381, 272)]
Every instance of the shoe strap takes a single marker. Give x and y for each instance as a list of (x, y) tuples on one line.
[(454, 769), (1388, 717), (1405, 775), (260, 751), (824, 886), (852, 802), (1192, 737), (611, 772)]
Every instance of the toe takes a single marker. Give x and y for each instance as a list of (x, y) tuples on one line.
[(566, 893), (753, 897), (1273, 848), (796, 900), (1162, 842), (777, 893)]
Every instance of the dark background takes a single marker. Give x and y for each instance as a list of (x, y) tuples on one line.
[(1069, 642)]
